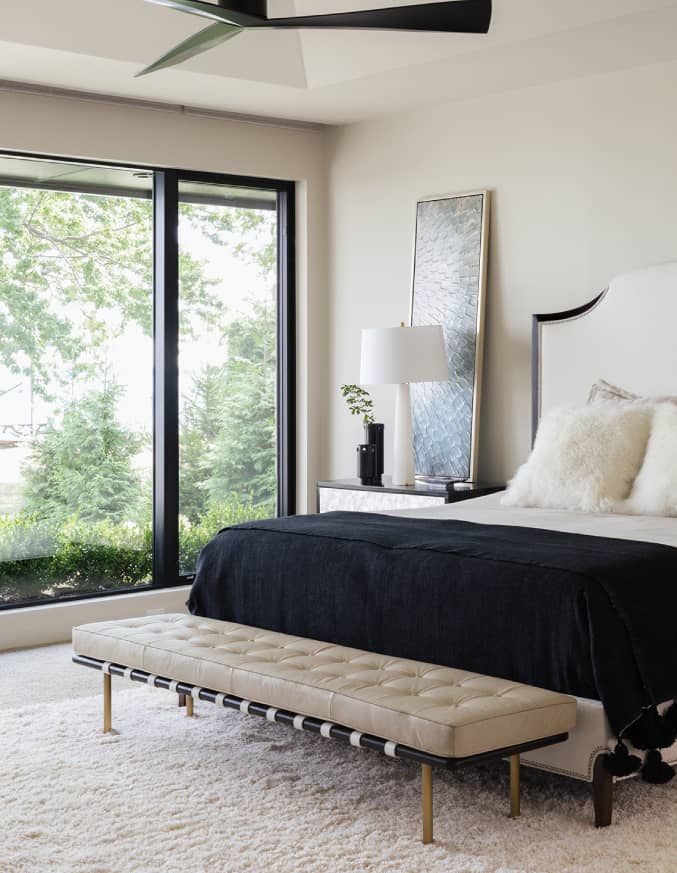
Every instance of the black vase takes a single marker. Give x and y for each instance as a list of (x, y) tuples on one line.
[(370, 455), (366, 464)]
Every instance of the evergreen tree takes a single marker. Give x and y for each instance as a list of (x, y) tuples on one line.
[(82, 467), (244, 462), (201, 419), (75, 273)]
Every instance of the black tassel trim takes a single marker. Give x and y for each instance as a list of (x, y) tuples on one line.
[(654, 731), (655, 769), (670, 716), (620, 762)]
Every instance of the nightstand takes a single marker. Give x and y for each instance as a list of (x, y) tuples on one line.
[(351, 495)]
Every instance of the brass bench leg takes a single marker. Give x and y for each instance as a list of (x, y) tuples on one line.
[(189, 706), (514, 786), (182, 699), (107, 704), (427, 802)]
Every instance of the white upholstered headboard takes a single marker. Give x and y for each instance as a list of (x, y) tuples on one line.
[(627, 335)]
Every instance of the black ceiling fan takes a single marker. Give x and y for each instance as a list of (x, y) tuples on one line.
[(232, 17)]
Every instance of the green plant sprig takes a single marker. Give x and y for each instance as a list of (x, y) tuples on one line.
[(359, 402)]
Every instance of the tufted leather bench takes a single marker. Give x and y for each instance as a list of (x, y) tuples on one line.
[(435, 715)]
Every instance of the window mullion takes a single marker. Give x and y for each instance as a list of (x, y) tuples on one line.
[(166, 392), (286, 347)]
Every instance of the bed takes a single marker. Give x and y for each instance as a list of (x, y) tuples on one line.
[(593, 735), (262, 574)]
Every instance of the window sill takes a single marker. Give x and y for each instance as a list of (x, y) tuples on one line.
[(54, 622)]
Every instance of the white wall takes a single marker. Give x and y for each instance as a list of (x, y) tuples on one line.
[(53, 622), (584, 182), (92, 129)]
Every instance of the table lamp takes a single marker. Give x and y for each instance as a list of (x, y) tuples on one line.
[(399, 356)]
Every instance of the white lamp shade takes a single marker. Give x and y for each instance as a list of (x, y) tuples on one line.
[(393, 355)]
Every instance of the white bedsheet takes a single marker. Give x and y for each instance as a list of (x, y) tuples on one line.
[(488, 510)]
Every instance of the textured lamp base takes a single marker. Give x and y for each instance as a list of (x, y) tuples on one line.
[(403, 445)]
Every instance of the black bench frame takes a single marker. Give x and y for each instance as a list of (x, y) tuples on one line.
[(329, 730)]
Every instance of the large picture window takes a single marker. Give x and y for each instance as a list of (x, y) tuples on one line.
[(227, 361), (146, 371)]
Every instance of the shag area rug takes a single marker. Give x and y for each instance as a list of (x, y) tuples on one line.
[(227, 793)]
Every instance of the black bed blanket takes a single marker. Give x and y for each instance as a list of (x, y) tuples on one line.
[(589, 616)]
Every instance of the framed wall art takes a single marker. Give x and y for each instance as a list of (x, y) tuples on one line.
[(449, 288)]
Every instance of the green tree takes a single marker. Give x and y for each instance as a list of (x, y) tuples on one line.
[(228, 438), (75, 270), (82, 468), (250, 232), (75, 273), (244, 462), (201, 419)]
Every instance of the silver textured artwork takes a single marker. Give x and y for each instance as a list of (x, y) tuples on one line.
[(449, 289)]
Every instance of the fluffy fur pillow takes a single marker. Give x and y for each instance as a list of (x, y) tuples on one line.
[(583, 458), (655, 488)]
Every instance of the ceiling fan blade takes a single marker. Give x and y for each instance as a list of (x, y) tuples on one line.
[(457, 16), (230, 17), (200, 42), (453, 16), (243, 13)]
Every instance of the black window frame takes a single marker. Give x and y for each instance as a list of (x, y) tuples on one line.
[(165, 196)]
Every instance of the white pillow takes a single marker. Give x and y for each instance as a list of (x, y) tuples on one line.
[(603, 390), (655, 488), (584, 458)]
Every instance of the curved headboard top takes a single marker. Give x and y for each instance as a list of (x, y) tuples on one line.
[(627, 335)]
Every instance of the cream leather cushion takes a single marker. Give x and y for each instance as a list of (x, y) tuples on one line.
[(451, 713)]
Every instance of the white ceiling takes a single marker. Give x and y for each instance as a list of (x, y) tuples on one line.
[(322, 76)]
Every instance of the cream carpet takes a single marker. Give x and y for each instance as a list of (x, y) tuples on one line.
[(227, 793)]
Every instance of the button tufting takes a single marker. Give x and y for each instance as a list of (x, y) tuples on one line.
[(453, 709)]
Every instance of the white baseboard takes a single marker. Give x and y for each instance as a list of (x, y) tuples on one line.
[(54, 622)]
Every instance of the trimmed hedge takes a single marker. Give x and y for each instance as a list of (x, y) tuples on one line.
[(39, 559)]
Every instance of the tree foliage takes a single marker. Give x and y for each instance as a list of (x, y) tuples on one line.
[(244, 448), (82, 467), (75, 274), (228, 421), (201, 421), (66, 260), (75, 270), (42, 559)]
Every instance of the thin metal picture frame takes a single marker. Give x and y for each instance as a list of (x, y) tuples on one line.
[(479, 326)]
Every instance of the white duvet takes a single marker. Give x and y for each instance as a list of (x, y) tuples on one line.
[(488, 510)]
